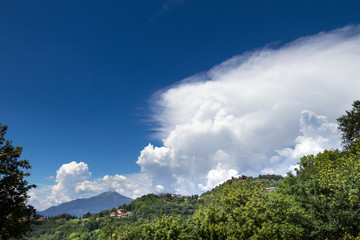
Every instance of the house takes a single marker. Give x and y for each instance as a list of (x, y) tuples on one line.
[(179, 195), (120, 213), (242, 178), (41, 219), (124, 214)]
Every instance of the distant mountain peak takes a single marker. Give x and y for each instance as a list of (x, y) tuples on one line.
[(80, 206)]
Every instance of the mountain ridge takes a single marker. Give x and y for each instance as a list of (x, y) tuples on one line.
[(80, 206)]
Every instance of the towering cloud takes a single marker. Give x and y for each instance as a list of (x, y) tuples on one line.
[(242, 116)]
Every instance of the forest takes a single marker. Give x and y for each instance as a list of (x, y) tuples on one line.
[(151, 216)]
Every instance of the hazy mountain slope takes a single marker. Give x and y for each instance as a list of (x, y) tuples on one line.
[(94, 204)]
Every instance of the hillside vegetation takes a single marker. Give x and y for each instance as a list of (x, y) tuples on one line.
[(322, 201), (145, 210)]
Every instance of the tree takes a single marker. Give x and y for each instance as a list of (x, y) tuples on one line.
[(86, 215), (15, 213), (349, 124), (238, 212), (327, 187)]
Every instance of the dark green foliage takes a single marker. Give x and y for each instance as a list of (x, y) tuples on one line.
[(173, 227), (86, 215), (237, 214), (67, 227), (265, 180), (65, 216), (15, 214), (152, 206), (349, 124), (270, 177), (327, 187), (286, 217), (101, 226), (245, 210)]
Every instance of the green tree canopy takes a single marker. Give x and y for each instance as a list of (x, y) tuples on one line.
[(15, 213), (327, 187), (349, 124)]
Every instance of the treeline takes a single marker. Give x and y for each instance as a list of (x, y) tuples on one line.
[(97, 226), (151, 206), (322, 201), (146, 211)]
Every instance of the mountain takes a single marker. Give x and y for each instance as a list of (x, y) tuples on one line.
[(79, 207)]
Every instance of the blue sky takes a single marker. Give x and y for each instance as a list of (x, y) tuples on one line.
[(96, 82)]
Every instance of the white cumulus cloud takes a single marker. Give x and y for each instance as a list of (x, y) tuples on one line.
[(67, 177), (242, 116), (317, 134), (216, 176), (73, 180)]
